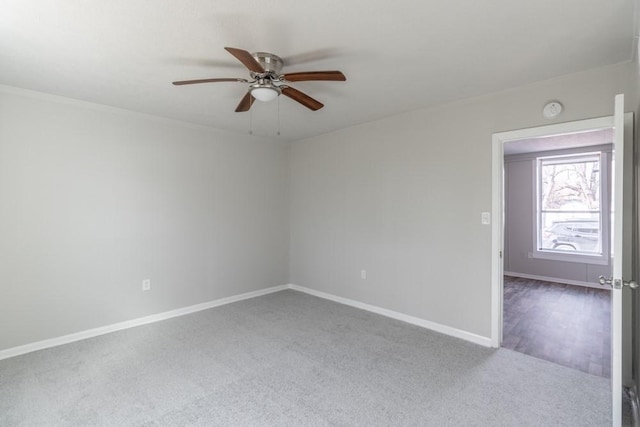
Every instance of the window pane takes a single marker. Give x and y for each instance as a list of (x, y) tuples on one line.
[(570, 185), (569, 204), (571, 232)]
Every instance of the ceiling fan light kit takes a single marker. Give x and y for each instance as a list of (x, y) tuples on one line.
[(264, 91), (267, 83)]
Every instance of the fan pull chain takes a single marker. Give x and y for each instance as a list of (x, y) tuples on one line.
[(250, 121), (278, 116)]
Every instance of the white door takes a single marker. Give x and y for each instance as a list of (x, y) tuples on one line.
[(619, 251)]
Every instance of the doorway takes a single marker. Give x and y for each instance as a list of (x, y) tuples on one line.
[(557, 198), (621, 239)]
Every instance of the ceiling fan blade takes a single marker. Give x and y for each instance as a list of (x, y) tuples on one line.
[(245, 103), (315, 75), (191, 82), (246, 58), (302, 98)]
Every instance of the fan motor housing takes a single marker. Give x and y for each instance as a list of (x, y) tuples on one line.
[(270, 62)]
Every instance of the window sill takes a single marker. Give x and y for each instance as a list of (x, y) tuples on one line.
[(570, 257)]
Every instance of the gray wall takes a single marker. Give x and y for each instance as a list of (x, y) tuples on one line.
[(520, 202), (401, 197), (94, 200)]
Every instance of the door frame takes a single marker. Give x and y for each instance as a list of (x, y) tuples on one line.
[(497, 206)]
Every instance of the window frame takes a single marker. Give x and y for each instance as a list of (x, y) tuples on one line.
[(605, 206)]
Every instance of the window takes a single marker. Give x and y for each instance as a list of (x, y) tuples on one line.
[(571, 197)]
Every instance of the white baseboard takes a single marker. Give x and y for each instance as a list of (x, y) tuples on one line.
[(554, 280), (90, 333), (443, 329)]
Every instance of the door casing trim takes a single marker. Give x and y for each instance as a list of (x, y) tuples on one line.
[(497, 201)]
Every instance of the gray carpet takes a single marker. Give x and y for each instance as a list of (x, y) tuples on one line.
[(292, 359)]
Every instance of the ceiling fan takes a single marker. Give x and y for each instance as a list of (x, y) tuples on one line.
[(266, 81)]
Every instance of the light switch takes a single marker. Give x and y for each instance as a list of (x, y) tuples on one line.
[(486, 218)]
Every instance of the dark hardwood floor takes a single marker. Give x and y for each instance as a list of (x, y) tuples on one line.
[(564, 324)]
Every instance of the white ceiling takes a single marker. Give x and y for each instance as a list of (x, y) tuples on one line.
[(397, 55)]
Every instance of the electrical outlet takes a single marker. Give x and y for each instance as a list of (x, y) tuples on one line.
[(146, 284), (363, 274)]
